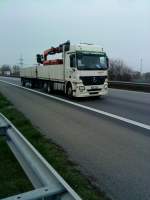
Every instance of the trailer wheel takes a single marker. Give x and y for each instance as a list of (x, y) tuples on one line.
[(69, 91), (32, 85), (22, 82), (48, 88)]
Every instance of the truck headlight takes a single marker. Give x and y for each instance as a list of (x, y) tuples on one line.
[(81, 88), (105, 86), (106, 80)]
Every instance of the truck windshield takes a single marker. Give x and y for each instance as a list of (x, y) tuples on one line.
[(92, 62)]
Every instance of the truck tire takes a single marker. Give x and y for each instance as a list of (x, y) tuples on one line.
[(69, 91), (49, 88), (32, 85), (22, 82)]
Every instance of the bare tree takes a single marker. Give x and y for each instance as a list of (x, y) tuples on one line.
[(119, 71), (137, 75), (15, 70), (146, 76)]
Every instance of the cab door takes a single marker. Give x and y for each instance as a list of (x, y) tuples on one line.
[(70, 66)]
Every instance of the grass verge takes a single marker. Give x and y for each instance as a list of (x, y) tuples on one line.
[(12, 178)]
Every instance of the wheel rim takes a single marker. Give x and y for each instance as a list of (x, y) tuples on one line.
[(48, 89)]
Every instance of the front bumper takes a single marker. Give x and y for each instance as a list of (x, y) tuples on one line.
[(89, 91)]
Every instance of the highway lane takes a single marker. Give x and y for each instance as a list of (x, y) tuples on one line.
[(129, 104), (113, 153)]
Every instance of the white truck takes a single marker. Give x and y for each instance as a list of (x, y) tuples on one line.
[(81, 71)]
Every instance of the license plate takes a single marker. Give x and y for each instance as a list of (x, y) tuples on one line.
[(94, 87)]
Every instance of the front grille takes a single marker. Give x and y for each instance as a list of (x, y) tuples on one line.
[(94, 90), (93, 80)]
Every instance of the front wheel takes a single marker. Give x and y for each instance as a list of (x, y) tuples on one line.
[(69, 91)]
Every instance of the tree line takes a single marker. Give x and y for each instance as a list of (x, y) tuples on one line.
[(119, 71), (7, 70)]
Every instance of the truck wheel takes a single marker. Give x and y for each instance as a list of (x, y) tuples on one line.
[(69, 91), (50, 88), (31, 84), (22, 82)]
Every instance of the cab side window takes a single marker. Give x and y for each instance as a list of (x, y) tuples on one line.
[(72, 61)]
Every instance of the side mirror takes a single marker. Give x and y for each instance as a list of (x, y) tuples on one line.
[(39, 58)]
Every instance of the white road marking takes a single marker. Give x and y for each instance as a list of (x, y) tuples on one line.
[(129, 121)]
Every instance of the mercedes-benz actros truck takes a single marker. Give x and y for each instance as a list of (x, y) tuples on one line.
[(81, 71)]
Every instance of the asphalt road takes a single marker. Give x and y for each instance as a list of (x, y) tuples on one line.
[(115, 155), (129, 104)]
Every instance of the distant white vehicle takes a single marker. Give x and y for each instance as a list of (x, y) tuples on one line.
[(81, 71), (7, 73)]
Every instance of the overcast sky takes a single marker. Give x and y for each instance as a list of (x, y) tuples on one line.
[(29, 27)]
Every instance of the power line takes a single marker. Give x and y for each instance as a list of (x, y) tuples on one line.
[(21, 61)]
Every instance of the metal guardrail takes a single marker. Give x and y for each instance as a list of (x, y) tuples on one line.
[(48, 184), (130, 85)]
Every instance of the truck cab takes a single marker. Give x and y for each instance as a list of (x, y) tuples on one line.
[(86, 67)]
